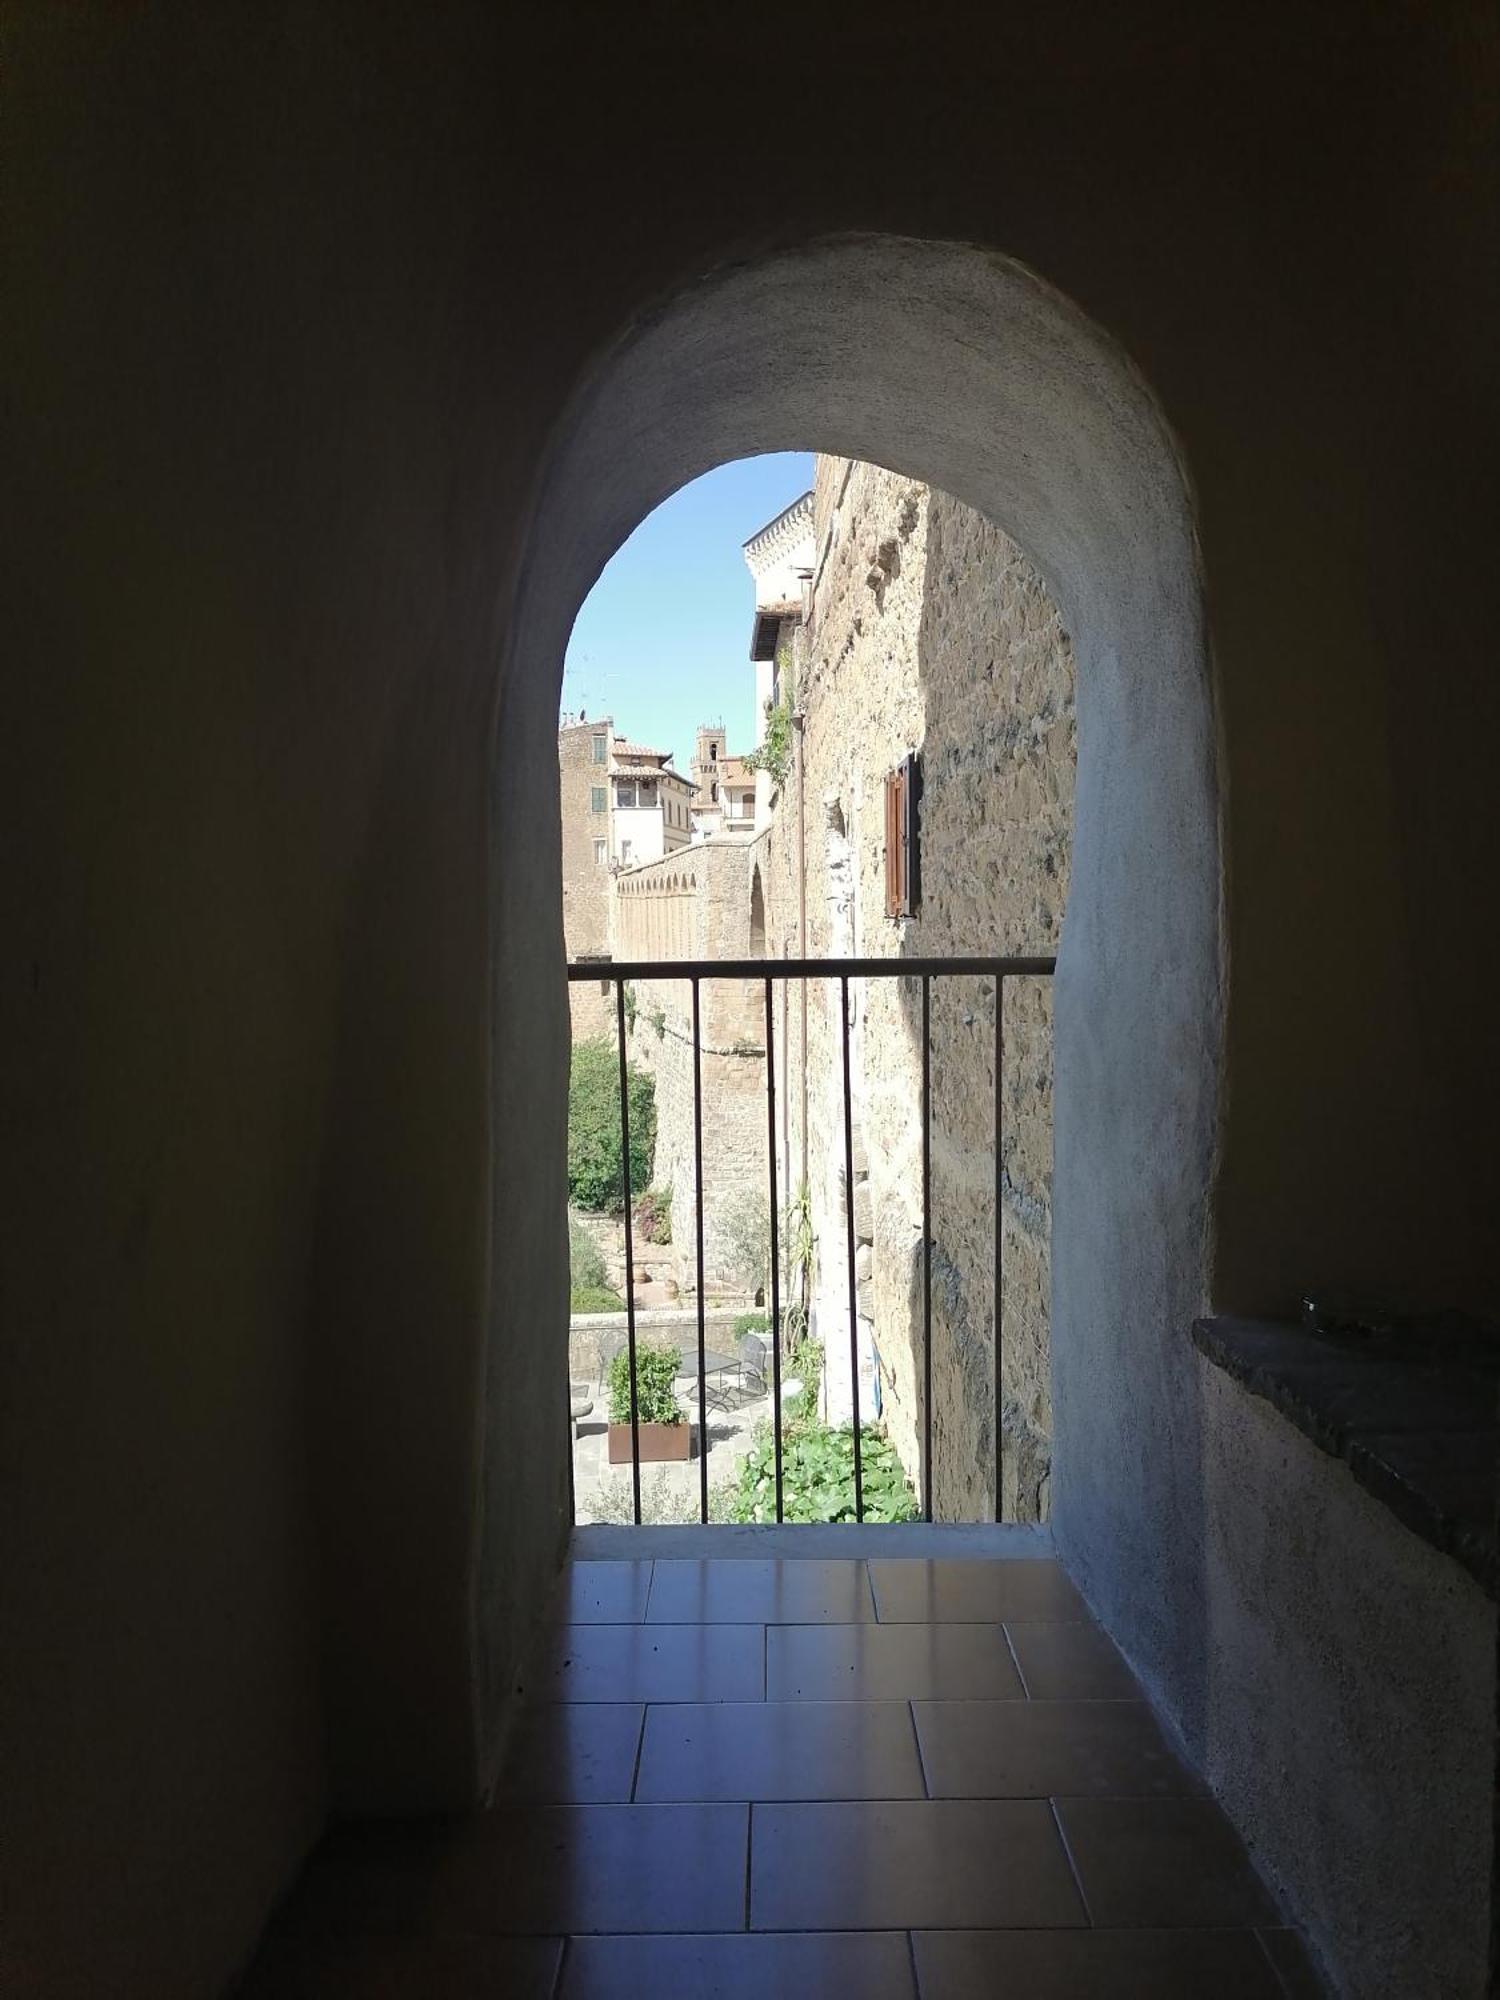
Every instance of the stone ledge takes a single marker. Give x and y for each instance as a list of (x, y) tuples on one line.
[(1418, 1429)]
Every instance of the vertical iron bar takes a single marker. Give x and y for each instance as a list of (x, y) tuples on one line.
[(775, 1239), (926, 1246), (698, 1208), (999, 1242), (572, 1495), (635, 1419), (859, 1486)]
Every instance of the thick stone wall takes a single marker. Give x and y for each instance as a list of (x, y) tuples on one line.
[(695, 904), (930, 631)]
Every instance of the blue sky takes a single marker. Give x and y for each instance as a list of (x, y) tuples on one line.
[(663, 640)]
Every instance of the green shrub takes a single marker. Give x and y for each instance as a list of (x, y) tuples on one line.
[(756, 1322), (656, 1370), (594, 1176), (805, 1364), (653, 1215), (590, 1289), (817, 1477), (586, 1267), (595, 1299)]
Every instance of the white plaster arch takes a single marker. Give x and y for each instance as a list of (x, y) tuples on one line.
[(957, 366)]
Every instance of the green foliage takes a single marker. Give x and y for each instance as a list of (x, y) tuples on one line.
[(653, 1215), (585, 1259), (818, 1477), (595, 1299), (658, 1019), (797, 1237), (775, 751), (756, 1322), (588, 1276), (656, 1369), (805, 1365), (594, 1178), (630, 1005)]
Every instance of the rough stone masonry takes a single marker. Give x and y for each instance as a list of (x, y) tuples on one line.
[(928, 630)]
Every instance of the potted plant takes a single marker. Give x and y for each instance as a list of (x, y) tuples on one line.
[(665, 1435)]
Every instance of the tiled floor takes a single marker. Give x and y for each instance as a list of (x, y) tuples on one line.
[(932, 1779)]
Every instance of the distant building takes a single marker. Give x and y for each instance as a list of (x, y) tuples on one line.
[(622, 805), (650, 805), (780, 556), (723, 787)]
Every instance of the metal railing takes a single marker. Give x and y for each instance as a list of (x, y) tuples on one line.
[(769, 972)]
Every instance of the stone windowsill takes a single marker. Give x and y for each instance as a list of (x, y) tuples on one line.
[(1416, 1426)]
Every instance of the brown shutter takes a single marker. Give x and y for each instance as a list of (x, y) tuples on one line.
[(894, 855), (902, 859)]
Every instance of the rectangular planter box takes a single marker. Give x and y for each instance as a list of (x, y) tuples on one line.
[(661, 1444)]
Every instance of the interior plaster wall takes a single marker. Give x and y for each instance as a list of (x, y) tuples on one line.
[(1350, 1720), (300, 299)]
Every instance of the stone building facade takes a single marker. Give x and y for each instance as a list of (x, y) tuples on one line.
[(695, 904), (621, 803), (583, 753), (926, 631)]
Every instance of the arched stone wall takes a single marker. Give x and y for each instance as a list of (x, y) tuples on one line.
[(959, 367)]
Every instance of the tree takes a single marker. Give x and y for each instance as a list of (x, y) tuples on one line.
[(594, 1178)]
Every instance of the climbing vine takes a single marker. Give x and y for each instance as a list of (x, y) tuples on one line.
[(775, 751)]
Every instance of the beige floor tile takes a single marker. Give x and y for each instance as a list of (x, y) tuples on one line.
[(1092, 1965), (972, 1591), (1161, 1863), (624, 1663), (533, 1870), (1293, 1963), (932, 1864), (750, 1591), (1036, 1749), (863, 1965), (889, 1663), (1070, 1662), (387, 1968), (780, 1750), (572, 1753), (602, 1593)]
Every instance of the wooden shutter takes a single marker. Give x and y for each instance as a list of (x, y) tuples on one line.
[(902, 860)]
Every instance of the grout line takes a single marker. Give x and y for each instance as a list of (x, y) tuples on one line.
[(1276, 1972), (911, 1707), (765, 1662), (1072, 1864), (749, 1851), (1010, 1647), (557, 1977), (911, 1953), (640, 1744), (650, 1586)]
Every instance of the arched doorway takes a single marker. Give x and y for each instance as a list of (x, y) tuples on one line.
[(961, 368)]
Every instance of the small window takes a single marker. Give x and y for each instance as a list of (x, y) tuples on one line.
[(597, 801), (624, 850), (601, 851), (601, 749), (903, 870), (713, 793), (713, 753)]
